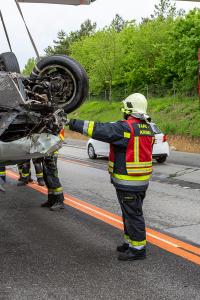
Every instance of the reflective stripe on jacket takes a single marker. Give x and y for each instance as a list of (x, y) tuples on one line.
[(130, 159)]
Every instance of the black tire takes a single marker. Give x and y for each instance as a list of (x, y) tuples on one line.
[(76, 79), (161, 159), (91, 152), (9, 62)]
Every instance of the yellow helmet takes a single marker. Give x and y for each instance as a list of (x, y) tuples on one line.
[(135, 103)]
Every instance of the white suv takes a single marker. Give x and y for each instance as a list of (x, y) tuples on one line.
[(160, 148)]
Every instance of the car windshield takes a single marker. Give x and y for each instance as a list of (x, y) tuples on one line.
[(156, 130)]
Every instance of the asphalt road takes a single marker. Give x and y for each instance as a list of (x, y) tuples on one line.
[(71, 255), (173, 200), (176, 157)]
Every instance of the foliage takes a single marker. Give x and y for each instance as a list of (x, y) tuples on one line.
[(29, 67), (118, 23), (100, 55), (176, 116), (63, 42), (182, 51), (157, 57), (164, 9)]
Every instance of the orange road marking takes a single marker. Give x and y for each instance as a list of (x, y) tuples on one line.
[(161, 240)]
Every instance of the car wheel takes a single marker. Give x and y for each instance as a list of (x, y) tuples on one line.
[(91, 152), (67, 79), (161, 159), (9, 62)]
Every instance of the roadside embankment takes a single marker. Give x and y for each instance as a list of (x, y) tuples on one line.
[(184, 144), (178, 118)]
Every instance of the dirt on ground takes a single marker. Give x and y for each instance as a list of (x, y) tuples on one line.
[(177, 143), (75, 135), (185, 144)]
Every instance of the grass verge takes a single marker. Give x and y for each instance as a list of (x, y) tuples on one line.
[(178, 118)]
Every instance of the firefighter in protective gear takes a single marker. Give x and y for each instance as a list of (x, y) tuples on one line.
[(130, 167), (46, 169), (50, 171), (25, 172), (55, 190)]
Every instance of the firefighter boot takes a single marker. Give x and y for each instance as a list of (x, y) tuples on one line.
[(20, 177), (41, 182), (57, 206), (30, 179), (23, 182), (123, 247), (132, 254), (47, 203)]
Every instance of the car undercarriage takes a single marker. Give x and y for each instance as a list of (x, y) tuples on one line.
[(38, 104)]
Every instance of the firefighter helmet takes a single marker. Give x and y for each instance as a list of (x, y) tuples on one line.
[(135, 103)]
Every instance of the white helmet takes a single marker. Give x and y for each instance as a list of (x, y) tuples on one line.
[(135, 103)]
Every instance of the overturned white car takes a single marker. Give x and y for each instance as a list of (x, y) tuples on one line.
[(33, 109)]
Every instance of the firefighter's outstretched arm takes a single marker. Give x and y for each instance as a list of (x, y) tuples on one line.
[(105, 132)]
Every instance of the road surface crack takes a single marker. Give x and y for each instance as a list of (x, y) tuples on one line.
[(183, 172)]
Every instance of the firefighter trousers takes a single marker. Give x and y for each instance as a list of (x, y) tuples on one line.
[(25, 169), (132, 215), (50, 171)]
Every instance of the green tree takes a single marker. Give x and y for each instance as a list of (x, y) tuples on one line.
[(181, 57), (118, 23), (100, 54), (160, 52), (63, 42), (166, 9), (143, 61), (61, 45), (29, 66)]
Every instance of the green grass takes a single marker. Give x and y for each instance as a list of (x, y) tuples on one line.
[(98, 111), (173, 116)]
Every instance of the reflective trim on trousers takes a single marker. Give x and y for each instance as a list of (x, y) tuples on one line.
[(39, 175), (25, 175), (134, 243), (56, 191)]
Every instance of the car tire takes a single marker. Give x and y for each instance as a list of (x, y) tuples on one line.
[(9, 62), (161, 159), (91, 152), (76, 80)]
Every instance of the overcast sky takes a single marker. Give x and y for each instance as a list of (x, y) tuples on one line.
[(46, 20)]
